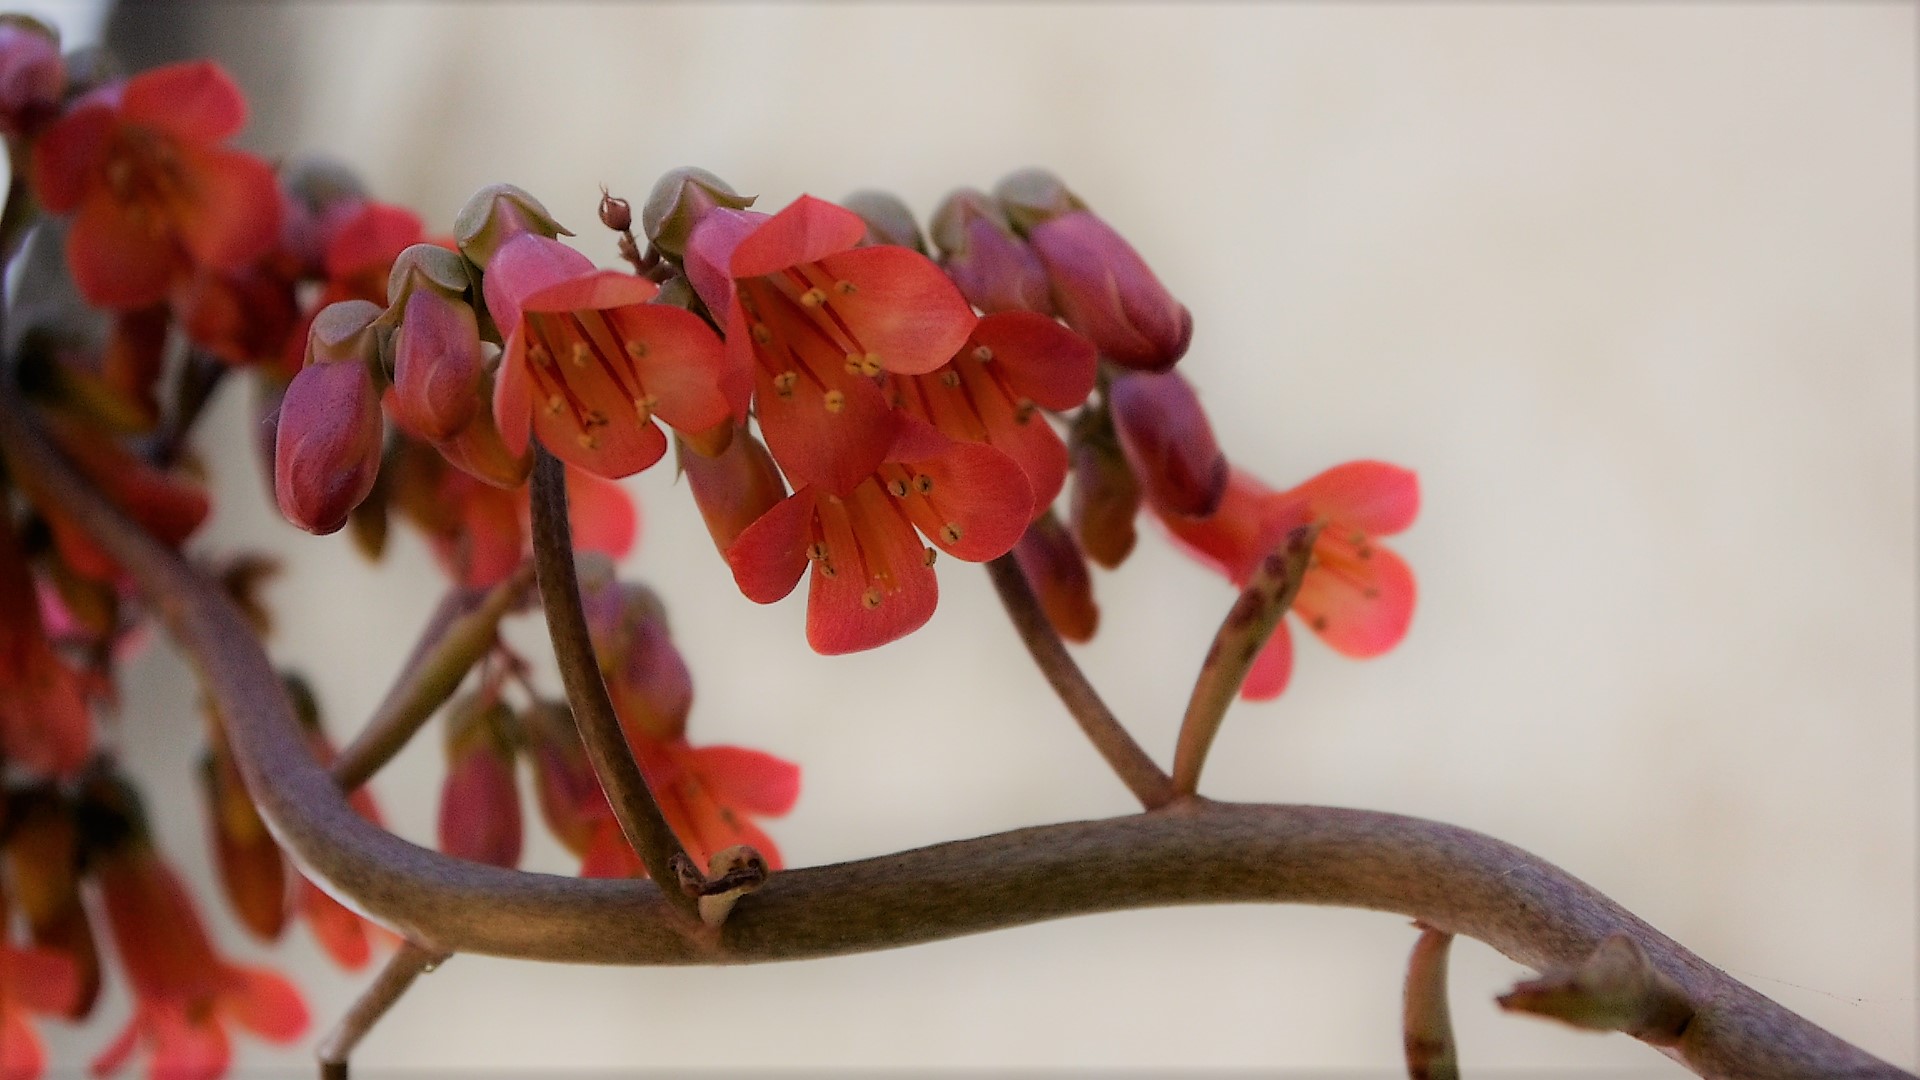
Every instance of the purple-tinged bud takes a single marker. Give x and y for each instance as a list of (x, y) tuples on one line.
[(480, 798), (327, 446), (563, 781), (1057, 570), (498, 213), (32, 75), (1105, 494), (615, 213), (1101, 286), (480, 452), (709, 255), (889, 220), (437, 364), (652, 689), (1169, 443), (733, 488), (680, 200), (993, 268)]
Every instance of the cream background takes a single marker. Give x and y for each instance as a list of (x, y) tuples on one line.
[(1632, 287)]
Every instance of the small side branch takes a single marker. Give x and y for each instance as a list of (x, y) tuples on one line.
[(1248, 625), (461, 630), (1615, 989), (1144, 778), (1427, 1025), (406, 965), (626, 789)]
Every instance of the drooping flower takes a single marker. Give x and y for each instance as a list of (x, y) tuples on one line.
[(480, 795), (1013, 365), (645, 674), (589, 362), (43, 856), (872, 578), (708, 794), (733, 487), (32, 980), (1357, 596), (153, 194), (165, 504), (1057, 570), (1168, 442), (812, 319), (44, 722)]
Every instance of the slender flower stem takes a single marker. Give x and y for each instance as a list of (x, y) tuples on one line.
[(1428, 1027), (1196, 851), (1249, 623), (632, 801), (1145, 779), (407, 964), (460, 632)]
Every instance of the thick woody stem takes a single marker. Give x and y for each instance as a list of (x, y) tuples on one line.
[(632, 801), (1194, 851), (1427, 1027), (460, 632), (1144, 778), (1248, 625), (407, 964)]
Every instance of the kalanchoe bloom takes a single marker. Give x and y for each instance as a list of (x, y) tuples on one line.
[(1358, 596), (153, 194), (1106, 496), (1168, 442), (167, 505), (1057, 570), (1014, 364), (496, 214), (812, 319), (480, 797), (589, 363), (994, 268), (184, 992), (872, 578), (679, 201), (43, 865), (889, 220), (253, 873), (327, 450), (1101, 285), (645, 674), (709, 795), (734, 487), (437, 364), (32, 79), (479, 450), (44, 723)]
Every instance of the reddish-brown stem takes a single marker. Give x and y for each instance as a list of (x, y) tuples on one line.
[(1193, 851), (633, 803), (1427, 1028), (455, 638), (1145, 779), (408, 963)]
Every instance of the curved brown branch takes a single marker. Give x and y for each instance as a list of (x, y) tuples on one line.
[(1194, 851), (402, 968), (1145, 779)]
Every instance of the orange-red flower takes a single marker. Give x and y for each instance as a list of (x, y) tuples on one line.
[(153, 194), (1357, 596), (873, 579), (31, 980), (44, 723), (709, 794)]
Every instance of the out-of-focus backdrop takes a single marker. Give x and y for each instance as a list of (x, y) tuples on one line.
[(1632, 287)]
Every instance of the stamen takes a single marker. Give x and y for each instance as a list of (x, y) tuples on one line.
[(1023, 410), (949, 378), (923, 483), (761, 333), (950, 532), (580, 354), (853, 363), (931, 555), (554, 404), (870, 364), (643, 406), (871, 598), (538, 353), (897, 488), (982, 353), (593, 419), (844, 288), (813, 298), (588, 441), (1319, 624), (784, 382), (636, 349), (817, 551), (835, 401)]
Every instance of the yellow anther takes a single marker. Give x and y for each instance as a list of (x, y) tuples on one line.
[(761, 334), (982, 353), (539, 355), (923, 483), (580, 354), (870, 364), (817, 551), (554, 404), (844, 288), (897, 488), (643, 406), (812, 298), (871, 598), (835, 401), (853, 363), (950, 532), (949, 378), (636, 349), (783, 383), (1023, 410), (931, 554), (594, 418), (587, 441)]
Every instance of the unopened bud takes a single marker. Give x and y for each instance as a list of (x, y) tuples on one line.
[(437, 364), (709, 254), (1057, 570), (480, 798), (993, 268), (480, 452), (253, 873), (498, 213), (645, 674), (889, 220), (678, 203), (32, 75), (327, 447), (615, 213), (1169, 443), (563, 781), (734, 488), (1105, 494), (1033, 196)]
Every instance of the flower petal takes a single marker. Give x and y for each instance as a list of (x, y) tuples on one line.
[(23, 1057), (118, 260), (875, 584), (341, 934), (752, 780), (194, 101), (186, 1049), (1272, 667), (902, 307), (68, 153), (683, 363), (1372, 496), (803, 232), (970, 499), (266, 1004), (1239, 533), (230, 214), (769, 555), (1358, 599), (602, 516), (1046, 362)]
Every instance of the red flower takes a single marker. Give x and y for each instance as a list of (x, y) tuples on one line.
[(709, 794), (184, 992), (44, 723), (31, 980), (811, 319), (872, 578), (589, 362), (153, 194), (1013, 365), (1357, 596), (168, 506)]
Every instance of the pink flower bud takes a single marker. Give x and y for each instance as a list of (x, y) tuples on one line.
[(733, 488), (437, 363), (32, 75), (1105, 494), (1101, 286), (498, 213), (564, 785), (615, 213), (678, 203), (1168, 443), (889, 220), (1057, 570), (327, 448), (995, 270), (480, 799), (648, 680), (480, 452)]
